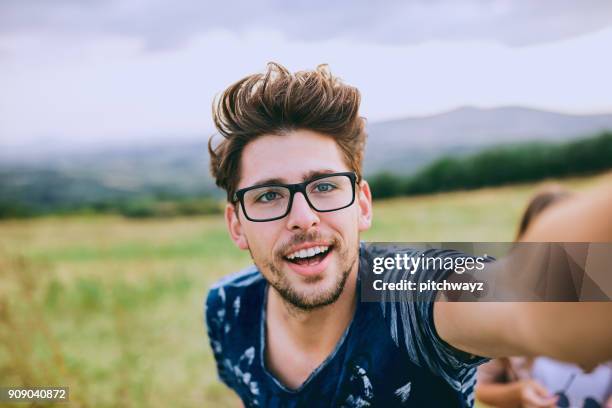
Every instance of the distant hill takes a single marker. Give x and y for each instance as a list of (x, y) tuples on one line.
[(403, 145), (81, 178), (56, 175)]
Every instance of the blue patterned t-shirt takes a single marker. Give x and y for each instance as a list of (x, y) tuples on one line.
[(389, 356)]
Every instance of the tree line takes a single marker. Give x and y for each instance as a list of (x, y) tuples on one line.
[(500, 165), (516, 163)]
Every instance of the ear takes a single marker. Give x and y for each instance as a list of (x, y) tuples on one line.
[(364, 201), (235, 227)]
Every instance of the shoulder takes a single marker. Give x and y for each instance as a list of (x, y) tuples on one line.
[(409, 316), (230, 310), (231, 307), (241, 279), (225, 291)]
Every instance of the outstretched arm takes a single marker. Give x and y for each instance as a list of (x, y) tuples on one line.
[(575, 332)]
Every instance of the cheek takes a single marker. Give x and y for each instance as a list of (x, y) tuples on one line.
[(261, 239), (347, 225)]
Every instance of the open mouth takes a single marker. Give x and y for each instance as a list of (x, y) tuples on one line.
[(310, 256)]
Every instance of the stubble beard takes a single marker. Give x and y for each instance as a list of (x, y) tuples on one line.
[(308, 302)]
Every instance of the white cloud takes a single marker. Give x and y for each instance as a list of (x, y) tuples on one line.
[(108, 86), (162, 24)]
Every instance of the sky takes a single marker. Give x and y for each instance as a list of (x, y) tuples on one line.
[(108, 71)]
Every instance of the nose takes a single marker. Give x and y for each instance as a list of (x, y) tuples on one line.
[(301, 216)]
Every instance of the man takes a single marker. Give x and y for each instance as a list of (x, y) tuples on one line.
[(291, 330)]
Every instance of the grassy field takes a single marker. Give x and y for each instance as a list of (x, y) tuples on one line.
[(112, 307)]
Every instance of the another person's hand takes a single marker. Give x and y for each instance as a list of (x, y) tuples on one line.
[(535, 395)]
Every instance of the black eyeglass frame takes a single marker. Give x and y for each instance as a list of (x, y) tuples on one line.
[(293, 189)]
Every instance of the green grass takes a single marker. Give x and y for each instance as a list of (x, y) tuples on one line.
[(113, 307)]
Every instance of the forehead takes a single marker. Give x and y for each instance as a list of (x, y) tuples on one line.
[(289, 157)]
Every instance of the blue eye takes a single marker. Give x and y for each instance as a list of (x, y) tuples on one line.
[(268, 196), (324, 187)]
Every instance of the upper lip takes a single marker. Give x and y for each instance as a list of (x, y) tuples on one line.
[(305, 245)]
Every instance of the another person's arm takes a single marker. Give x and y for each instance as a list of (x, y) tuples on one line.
[(518, 394), (584, 217)]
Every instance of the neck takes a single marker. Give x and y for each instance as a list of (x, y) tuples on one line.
[(313, 329)]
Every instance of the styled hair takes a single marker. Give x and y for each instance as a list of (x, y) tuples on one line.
[(543, 199), (278, 102)]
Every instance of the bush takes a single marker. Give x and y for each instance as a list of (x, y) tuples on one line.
[(166, 208), (385, 185)]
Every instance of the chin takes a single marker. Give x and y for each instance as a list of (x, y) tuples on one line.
[(312, 292)]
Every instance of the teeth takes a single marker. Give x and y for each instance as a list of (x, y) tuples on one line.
[(307, 253)]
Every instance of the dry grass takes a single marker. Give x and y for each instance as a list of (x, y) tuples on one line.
[(112, 308)]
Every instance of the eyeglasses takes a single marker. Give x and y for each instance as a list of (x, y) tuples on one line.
[(324, 193)]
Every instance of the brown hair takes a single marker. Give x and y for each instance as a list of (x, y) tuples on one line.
[(538, 203), (277, 102)]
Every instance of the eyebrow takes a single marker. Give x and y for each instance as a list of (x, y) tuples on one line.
[(306, 176)]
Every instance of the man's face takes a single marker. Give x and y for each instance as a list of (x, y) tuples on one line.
[(294, 158)]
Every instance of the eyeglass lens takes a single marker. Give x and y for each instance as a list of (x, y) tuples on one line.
[(324, 194)]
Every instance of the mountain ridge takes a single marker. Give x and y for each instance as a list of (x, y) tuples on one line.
[(400, 146)]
